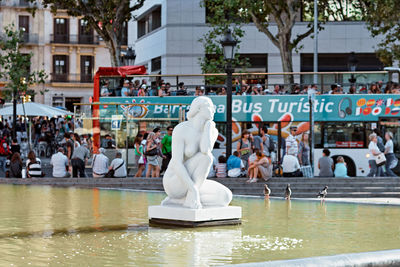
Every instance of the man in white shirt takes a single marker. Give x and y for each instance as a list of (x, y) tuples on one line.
[(118, 165), (374, 150), (291, 165), (60, 164), (100, 164), (291, 142)]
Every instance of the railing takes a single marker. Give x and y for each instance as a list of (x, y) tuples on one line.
[(213, 83), (16, 3), (24, 3), (74, 39), (71, 78), (30, 38)]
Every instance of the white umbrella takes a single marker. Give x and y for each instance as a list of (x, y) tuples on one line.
[(34, 109)]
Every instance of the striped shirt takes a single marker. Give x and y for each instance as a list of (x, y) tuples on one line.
[(34, 169), (221, 170)]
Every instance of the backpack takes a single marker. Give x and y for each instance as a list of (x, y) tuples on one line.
[(4, 148), (269, 143)]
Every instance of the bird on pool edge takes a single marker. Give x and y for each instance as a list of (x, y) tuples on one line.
[(267, 191), (288, 192), (322, 194)]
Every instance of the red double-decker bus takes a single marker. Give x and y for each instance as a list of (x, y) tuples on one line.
[(108, 72)]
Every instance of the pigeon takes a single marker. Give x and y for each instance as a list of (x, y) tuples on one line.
[(288, 192), (267, 191), (322, 194)]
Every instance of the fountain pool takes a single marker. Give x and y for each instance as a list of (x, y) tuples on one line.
[(70, 226)]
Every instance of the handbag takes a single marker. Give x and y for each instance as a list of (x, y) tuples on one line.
[(110, 173), (141, 160), (151, 152), (380, 160)]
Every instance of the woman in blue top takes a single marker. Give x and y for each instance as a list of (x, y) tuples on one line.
[(340, 167)]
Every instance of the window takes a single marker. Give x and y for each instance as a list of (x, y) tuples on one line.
[(156, 64), (86, 68), (61, 30), (340, 135), (85, 32), (149, 21), (58, 101), (23, 25), (60, 68), (256, 61), (339, 62)]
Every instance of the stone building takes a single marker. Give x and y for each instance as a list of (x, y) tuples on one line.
[(63, 46), (166, 33)]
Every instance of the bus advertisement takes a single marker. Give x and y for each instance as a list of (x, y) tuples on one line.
[(342, 122)]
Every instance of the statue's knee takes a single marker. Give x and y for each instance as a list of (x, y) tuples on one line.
[(226, 197), (205, 158)]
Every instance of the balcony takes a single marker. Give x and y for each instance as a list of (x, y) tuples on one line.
[(30, 38), (71, 78), (74, 39)]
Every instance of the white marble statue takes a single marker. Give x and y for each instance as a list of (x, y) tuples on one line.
[(185, 180)]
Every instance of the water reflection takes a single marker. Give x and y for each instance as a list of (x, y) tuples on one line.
[(69, 226)]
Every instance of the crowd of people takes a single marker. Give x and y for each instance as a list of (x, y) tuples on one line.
[(255, 156), (131, 88)]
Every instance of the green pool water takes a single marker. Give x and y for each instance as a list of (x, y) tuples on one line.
[(89, 227)]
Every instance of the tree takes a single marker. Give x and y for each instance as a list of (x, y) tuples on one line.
[(15, 67), (221, 20), (385, 26), (283, 14), (107, 17)]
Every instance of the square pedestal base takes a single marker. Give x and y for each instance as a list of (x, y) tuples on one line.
[(184, 217)]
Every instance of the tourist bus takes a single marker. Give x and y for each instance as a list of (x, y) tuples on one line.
[(342, 122)]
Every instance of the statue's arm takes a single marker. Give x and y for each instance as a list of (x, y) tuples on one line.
[(177, 159), (208, 138)]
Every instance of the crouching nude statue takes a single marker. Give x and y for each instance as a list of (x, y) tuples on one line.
[(185, 180)]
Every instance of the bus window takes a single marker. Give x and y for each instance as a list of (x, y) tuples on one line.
[(110, 86), (343, 135), (317, 135), (392, 125)]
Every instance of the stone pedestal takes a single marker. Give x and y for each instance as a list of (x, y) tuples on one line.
[(185, 217)]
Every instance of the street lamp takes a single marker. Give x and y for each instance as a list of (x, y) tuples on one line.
[(352, 66), (228, 46), (129, 57)]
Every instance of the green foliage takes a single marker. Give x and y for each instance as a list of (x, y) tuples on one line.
[(382, 18), (223, 18), (333, 10), (15, 66), (106, 17), (276, 19)]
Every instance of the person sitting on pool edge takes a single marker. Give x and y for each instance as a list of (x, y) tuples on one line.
[(340, 167), (290, 164)]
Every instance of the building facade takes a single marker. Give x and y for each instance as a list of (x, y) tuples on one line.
[(166, 33), (63, 47)]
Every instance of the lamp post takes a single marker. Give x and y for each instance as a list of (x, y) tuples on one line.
[(228, 47), (352, 66), (129, 57)]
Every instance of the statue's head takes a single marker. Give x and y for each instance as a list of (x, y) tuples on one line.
[(201, 106)]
